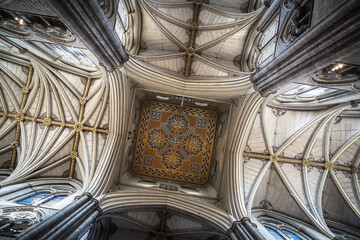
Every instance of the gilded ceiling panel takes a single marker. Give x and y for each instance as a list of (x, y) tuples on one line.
[(175, 142)]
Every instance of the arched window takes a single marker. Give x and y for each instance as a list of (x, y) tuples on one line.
[(34, 199), (3, 45), (343, 231), (44, 199), (122, 14), (306, 93), (275, 234), (282, 232), (283, 227), (51, 202), (121, 21), (268, 43), (291, 235), (38, 194), (69, 52)]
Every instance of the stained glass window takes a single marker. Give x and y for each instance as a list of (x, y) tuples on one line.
[(122, 14), (33, 198), (267, 53), (69, 52), (267, 45), (291, 235), (53, 201), (308, 91), (269, 34), (316, 92), (275, 234), (3, 45)]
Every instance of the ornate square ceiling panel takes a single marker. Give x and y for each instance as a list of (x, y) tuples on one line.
[(174, 142)]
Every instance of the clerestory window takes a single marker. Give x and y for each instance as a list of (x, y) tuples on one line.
[(268, 43)]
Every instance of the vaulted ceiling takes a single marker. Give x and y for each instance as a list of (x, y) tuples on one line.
[(69, 120), (291, 156), (197, 43), (54, 121)]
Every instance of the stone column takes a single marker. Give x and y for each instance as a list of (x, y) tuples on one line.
[(252, 229), (87, 21), (331, 40), (231, 235), (75, 223), (80, 230), (244, 230), (57, 220)]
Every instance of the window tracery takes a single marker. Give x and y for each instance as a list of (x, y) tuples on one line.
[(121, 24), (297, 21), (268, 43), (69, 52), (45, 199), (282, 230), (282, 233), (38, 196), (307, 93), (3, 45)]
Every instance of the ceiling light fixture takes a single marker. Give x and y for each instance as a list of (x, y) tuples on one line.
[(337, 66)]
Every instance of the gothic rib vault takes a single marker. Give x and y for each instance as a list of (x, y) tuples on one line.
[(165, 174)]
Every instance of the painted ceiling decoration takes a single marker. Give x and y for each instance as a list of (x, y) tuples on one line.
[(175, 142)]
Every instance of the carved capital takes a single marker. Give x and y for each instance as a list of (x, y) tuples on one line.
[(245, 219)]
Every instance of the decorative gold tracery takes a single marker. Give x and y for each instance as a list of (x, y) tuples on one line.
[(305, 162), (48, 121)]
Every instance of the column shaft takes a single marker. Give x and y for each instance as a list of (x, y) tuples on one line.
[(84, 225), (37, 230), (87, 21), (252, 229), (72, 223)]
